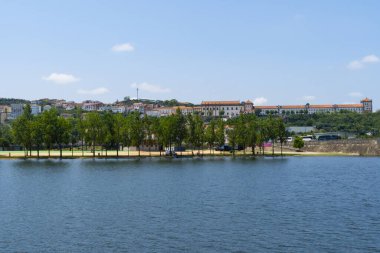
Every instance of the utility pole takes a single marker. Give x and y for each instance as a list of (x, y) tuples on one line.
[(137, 94)]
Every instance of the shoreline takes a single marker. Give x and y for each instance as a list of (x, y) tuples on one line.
[(66, 155)]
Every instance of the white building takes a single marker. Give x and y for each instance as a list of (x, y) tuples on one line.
[(118, 109), (364, 106), (222, 108), (17, 110), (36, 109), (91, 105)]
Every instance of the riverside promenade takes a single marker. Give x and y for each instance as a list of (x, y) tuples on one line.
[(66, 154)]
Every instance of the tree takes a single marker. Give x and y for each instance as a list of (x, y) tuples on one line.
[(191, 132), (75, 132), (118, 122), (137, 130), (62, 136), (272, 131), (157, 133), (219, 133), (37, 131), (241, 131), (281, 132), (199, 132), (126, 137), (252, 133), (93, 130), (263, 136), (108, 122), (232, 135), (148, 130), (298, 143), (22, 130), (167, 128), (210, 134), (50, 121), (5, 136), (179, 128)]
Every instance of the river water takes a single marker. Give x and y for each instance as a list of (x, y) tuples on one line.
[(293, 204)]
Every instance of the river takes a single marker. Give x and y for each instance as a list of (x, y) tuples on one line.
[(292, 204)]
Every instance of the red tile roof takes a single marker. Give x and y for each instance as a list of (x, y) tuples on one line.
[(208, 103), (350, 106), (366, 100)]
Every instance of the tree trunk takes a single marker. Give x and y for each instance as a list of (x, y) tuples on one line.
[(117, 150), (60, 151)]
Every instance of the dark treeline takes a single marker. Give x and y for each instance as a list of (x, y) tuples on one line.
[(344, 121), (108, 131), (9, 101)]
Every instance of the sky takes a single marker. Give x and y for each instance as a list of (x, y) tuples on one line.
[(271, 51)]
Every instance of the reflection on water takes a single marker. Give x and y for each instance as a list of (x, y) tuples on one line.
[(43, 163)]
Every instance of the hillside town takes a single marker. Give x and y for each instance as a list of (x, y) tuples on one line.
[(226, 109)]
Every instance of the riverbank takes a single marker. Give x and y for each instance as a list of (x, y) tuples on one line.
[(44, 154)]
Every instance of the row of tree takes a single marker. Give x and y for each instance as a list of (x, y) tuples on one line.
[(109, 131)]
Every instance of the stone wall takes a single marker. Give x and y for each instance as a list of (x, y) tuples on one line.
[(357, 146)]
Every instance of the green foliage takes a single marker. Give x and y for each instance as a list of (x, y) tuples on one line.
[(9, 101), (5, 136), (298, 143), (344, 121), (210, 134), (219, 132)]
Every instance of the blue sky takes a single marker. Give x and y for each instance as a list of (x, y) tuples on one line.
[(272, 52)]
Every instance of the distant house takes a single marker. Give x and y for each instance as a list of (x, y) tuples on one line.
[(91, 105), (16, 110), (36, 109), (47, 108)]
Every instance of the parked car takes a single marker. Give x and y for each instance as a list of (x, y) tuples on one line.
[(289, 139), (224, 148)]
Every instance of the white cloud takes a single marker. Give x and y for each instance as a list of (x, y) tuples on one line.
[(150, 88), (359, 64), (355, 65), (370, 59), (61, 78), (309, 98), (355, 94), (96, 91), (260, 101), (126, 47)]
